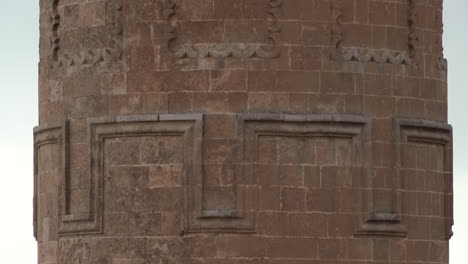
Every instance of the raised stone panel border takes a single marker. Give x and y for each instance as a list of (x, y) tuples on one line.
[(388, 223), (99, 129), (250, 128), (51, 133), (427, 132), (199, 219), (190, 126), (355, 128)]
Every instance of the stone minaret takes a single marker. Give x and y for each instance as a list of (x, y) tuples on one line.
[(242, 131)]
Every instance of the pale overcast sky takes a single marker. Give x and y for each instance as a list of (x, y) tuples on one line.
[(18, 110)]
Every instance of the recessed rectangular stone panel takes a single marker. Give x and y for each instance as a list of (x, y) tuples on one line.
[(293, 159), (142, 191), (422, 177), (50, 164), (138, 165), (424, 174), (285, 146)]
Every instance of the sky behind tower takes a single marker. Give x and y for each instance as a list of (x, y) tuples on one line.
[(19, 42)]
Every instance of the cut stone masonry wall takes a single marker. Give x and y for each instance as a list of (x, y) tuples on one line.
[(242, 131)]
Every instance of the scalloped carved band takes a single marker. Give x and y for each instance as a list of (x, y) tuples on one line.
[(231, 50), (88, 57), (268, 50), (376, 56)]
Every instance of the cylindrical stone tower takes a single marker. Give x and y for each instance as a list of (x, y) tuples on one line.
[(242, 131)]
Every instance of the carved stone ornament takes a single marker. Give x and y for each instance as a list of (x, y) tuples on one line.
[(268, 50), (369, 55), (87, 57)]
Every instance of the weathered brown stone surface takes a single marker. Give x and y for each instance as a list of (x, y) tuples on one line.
[(242, 131)]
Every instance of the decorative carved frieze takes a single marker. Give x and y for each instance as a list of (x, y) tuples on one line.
[(222, 51), (412, 35), (267, 50), (376, 56), (55, 24), (88, 57), (368, 55)]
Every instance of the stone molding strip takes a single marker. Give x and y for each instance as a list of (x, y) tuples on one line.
[(227, 50)]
